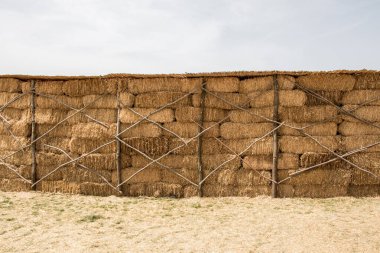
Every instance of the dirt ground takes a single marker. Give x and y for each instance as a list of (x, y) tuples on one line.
[(41, 222)]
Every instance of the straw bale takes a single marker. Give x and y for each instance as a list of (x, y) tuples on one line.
[(7, 142), (134, 190), (149, 146), (312, 191), (319, 129), (19, 158), (145, 85), (50, 159), (15, 114), (216, 190), (363, 178), (357, 128), (190, 114), (100, 102), (189, 130), (82, 146), (96, 189), (60, 131), (287, 98), (148, 175), (253, 191), (164, 190), (369, 161), (250, 116), (168, 176), (163, 116), (332, 96), (224, 84), (21, 103), (308, 113), (317, 176), (48, 103), (17, 128), (141, 130), (103, 161), (286, 82), (265, 162), (79, 175), (103, 115), (126, 99), (364, 190), (43, 170), (190, 191), (14, 185), (300, 145), (50, 116), (327, 82), (212, 176), (61, 142), (10, 85), (236, 99), (256, 84), (261, 147), (92, 86), (368, 81), (23, 170), (51, 87), (227, 176), (357, 97), (231, 130), (93, 130), (190, 148), (369, 113), (161, 99), (58, 186), (310, 159), (354, 142), (252, 178)]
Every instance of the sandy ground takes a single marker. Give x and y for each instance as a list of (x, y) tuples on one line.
[(35, 222)]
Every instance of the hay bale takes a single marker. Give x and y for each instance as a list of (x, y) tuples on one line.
[(48, 87), (286, 82), (163, 116), (160, 99), (13, 185), (82, 146), (141, 130), (9, 143), (332, 96), (249, 116), (354, 142), (252, 178), (357, 97), (126, 99), (189, 130), (319, 129), (310, 159), (317, 176), (50, 159), (18, 128), (149, 146), (16, 114), (9, 85), (368, 161), (103, 115), (164, 190), (300, 145), (227, 176), (48, 103), (223, 84), (21, 103), (103, 161), (253, 191), (134, 190), (172, 178), (308, 113), (82, 87), (364, 190), (50, 116), (23, 170), (145, 85), (100, 102), (190, 114), (355, 128), (261, 147), (43, 170), (327, 82), (61, 142), (216, 190), (369, 113), (368, 81), (76, 174), (287, 98), (256, 84), (19, 158), (148, 175), (93, 130), (60, 131), (312, 191), (96, 189), (211, 101), (231, 130), (58, 186), (265, 162), (190, 191)]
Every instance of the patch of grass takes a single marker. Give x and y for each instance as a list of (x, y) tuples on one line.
[(6, 203), (91, 218), (196, 205)]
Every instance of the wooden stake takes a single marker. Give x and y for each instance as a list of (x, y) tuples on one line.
[(275, 137), (200, 129), (33, 133), (118, 144)]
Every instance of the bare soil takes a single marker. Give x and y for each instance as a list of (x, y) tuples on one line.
[(41, 222)]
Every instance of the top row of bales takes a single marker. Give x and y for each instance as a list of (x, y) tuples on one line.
[(82, 87)]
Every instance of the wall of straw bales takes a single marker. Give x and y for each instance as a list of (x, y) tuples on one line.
[(222, 124)]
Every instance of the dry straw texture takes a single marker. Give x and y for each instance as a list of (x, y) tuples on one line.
[(287, 98), (327, 82)]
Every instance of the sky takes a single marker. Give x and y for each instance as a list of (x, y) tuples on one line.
[(97, 37)]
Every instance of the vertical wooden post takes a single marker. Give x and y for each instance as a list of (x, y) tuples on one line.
[(33, 133), (275, 136), (200, 129), (118, 144)]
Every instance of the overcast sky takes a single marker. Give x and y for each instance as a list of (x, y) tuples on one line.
[(93, 37)]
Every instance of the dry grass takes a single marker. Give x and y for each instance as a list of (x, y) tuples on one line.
[(36, 222)]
